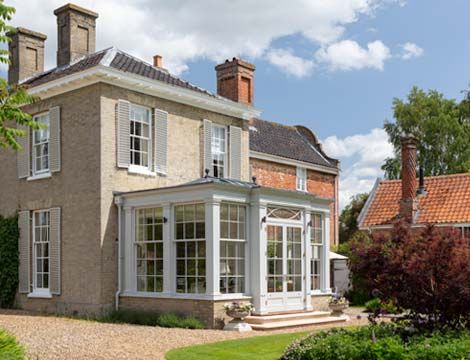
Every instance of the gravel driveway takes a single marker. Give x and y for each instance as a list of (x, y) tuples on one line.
[(49, 337)]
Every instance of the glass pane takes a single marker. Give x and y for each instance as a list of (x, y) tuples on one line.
[(180, 267), (159, 267), (191, 269), (150, 283), (201, 249), (201, 285), (179, 231), (141, 283), (201, 267), (180, 250), (200, 230), (179, 211), (191, 249), (191, 285), (233, 230), (159, 250), (233, 213), (224, 212), (180, 285), (158, 284), (224, 230), (189, 213), (189, 230)]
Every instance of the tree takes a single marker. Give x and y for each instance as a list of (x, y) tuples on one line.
[(348, 225), (425, 271), (12, 98), (442, 128)]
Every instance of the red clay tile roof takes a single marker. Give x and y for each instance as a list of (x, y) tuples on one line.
[(447, 201)]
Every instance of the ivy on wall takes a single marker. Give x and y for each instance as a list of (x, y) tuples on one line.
[(9, 260)]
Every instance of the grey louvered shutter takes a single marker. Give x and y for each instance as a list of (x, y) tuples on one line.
[(54, 139), (54, 251), (235, 152), (123, 133), (161, 141), (23, 156), (24, 248), (207, 144)]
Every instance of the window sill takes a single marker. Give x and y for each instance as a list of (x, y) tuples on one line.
[(36, 294), (40, 176), (140, 170)]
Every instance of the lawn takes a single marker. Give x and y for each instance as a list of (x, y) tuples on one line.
[(9, 348), (259, 347)]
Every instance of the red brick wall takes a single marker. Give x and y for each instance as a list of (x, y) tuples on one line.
[(282, 176)]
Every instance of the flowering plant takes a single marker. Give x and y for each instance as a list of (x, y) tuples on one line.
[(338, 300), (238, 306)]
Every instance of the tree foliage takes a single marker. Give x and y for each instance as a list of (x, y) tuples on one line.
[(441, 126), (426, 271), (12, 98), (348, 219), (9, 261)]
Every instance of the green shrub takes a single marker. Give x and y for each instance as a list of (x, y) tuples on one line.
[(9, 348), (385, 342), (9, 235), (378, 306), (149, 318)]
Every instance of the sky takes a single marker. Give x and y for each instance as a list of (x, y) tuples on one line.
[(331, 65)]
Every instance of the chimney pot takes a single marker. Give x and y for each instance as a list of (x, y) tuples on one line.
[(235, 80), (26, 50), (408, 203), (76, 33), (158, 61)]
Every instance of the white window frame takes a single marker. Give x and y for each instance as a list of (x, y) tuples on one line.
[(197, 257), (41, 291), (137, 168), (241, 239), (137, 242), (224, 154), (35, 145), (301, 178), (320, 247)]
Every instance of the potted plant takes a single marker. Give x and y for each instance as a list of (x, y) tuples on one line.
[(238, 311), (338, 304)]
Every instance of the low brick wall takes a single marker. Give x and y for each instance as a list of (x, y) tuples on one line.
[(320, 302), (210, 312)]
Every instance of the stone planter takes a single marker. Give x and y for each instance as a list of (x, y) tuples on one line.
[(337, 309), (237, 323)]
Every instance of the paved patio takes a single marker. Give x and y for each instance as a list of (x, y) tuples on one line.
[(49, 337)]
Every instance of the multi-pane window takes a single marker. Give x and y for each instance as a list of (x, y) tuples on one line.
[(294, 258), (232, 248), (149, 249), (275, 256), (219, 151), (316, 240), (190, 236), (41, 238), (301, 179), (41, 145), (140, 133)]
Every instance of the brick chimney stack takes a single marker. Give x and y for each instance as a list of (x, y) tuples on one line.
[(26, 54), (158, 61), (76, 33), (409, 201), (235, 80)]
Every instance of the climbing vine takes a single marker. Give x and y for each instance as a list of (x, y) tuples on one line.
[(9, 260)]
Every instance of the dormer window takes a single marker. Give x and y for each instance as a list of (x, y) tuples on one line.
[(219, 151)]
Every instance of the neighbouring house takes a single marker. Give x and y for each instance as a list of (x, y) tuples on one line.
[(144, 191), (439, 200)]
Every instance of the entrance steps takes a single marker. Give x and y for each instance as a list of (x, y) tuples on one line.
[(304, 318)]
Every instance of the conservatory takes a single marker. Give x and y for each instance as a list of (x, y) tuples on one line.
[(215, 240)]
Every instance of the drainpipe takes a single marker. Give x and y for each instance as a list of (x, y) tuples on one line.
[(118, 292)]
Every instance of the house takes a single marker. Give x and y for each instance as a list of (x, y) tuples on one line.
[(439, 200), (144, 191)]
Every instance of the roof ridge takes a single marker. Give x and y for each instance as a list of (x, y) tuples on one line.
[(432, 177)]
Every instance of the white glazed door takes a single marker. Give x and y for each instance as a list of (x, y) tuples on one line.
[(284, 268)]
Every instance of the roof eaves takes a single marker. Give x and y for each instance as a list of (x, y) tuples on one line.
[(370, 199)]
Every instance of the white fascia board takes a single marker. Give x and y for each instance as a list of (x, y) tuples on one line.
[(101, 73), (365, 209), (292, 162)]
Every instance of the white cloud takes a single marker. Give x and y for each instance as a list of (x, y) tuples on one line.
[(349, 55), (289, 63), (184, 30), (411, 50), (361, 156)]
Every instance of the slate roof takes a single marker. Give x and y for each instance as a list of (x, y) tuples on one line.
[(291, 142), (115, 59), (447, 201)]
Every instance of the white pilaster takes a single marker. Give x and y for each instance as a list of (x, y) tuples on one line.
[(307, 258), (130, 283), (167, 250), (325, 279), (258, 257), (212, 247)]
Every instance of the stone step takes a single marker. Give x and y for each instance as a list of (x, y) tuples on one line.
[(264, 319), (300, 322)]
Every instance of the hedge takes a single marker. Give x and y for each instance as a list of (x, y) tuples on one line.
[(9, 235)]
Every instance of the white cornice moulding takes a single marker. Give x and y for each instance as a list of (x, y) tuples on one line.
[(292, 162), (144, 85)]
